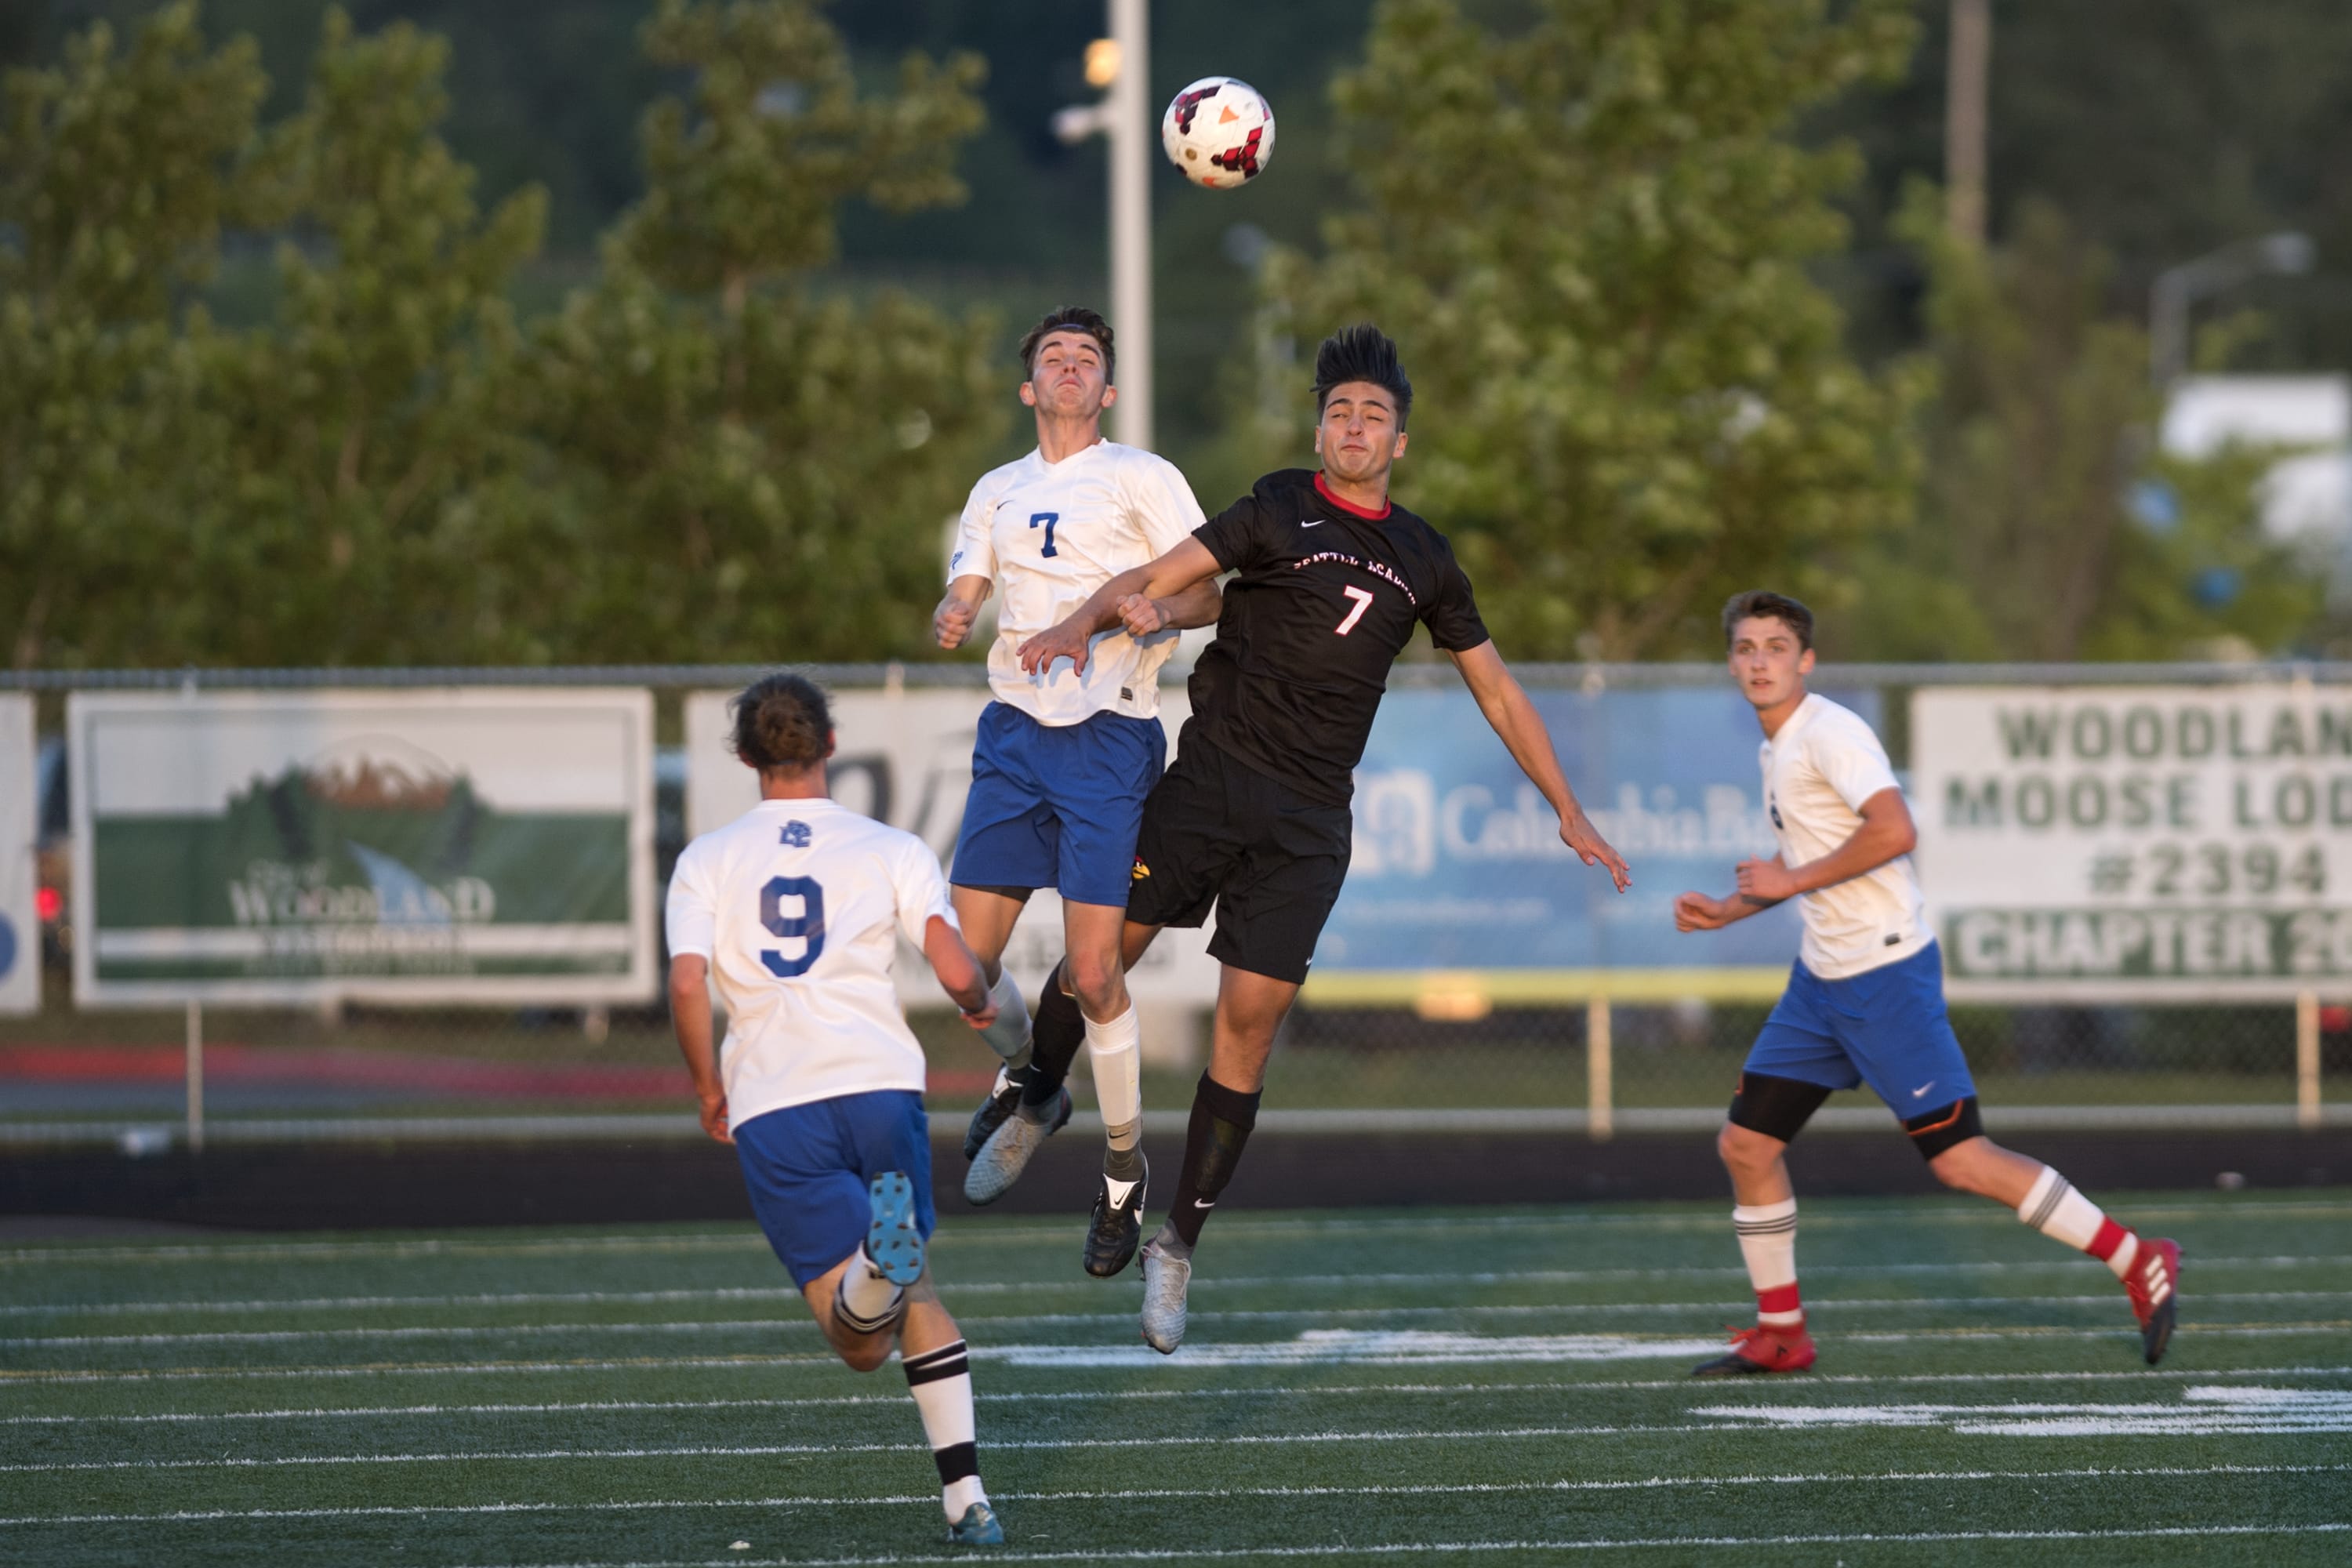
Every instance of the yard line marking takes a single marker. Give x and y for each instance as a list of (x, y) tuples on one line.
[(930, 1499), (2054, 1264), (2203, 1412), (1085, 1396), (1018, 1356), (775, 1450), (1599, 1544), (770, 1325), (1238, 1226)]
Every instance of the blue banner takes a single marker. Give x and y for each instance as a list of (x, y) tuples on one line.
[(1458, 862)]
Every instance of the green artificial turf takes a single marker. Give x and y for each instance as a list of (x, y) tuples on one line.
[(1357, 1386)]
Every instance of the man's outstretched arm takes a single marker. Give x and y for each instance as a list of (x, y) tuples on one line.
[(1505, 703), (1188, 565), (1887, 833)]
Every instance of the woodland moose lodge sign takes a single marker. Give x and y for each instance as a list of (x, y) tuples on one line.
[(2109, 842)]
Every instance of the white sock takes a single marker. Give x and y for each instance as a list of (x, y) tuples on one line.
[(940, 1381), (1767, 1242), (1008, 1036), (866, 1300), (2054, 1208), (1117, 1051)]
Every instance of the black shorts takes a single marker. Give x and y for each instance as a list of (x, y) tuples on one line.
[(1216, 830)]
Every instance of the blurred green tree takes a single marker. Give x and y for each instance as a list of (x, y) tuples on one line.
[(116, 169), (1591, 235), (2050, 527), (764, 474)]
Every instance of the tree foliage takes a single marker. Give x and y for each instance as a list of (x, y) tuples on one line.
[(1591, 238)]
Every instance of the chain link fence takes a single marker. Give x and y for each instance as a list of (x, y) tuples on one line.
[(344, 1069)]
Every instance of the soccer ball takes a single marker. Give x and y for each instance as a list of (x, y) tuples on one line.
[(1219, 132)]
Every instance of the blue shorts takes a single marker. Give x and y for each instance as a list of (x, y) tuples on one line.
[(807, 1168), (1057, 806), (1886, 1027)]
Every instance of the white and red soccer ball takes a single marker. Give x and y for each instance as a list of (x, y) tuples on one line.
[(1219, 132)]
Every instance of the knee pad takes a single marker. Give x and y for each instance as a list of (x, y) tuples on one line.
[(1946, 1127), (1776, 1107)]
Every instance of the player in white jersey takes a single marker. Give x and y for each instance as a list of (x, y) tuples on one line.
[(1864, 1003), (795, 910), (1064, 759)]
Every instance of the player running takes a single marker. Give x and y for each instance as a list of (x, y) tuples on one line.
[(1331, 580), (1864, 1003), (1065, 757), (798, 905)]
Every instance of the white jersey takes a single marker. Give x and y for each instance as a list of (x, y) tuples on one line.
[(1052, 533), (798, 905), (1818, 770)]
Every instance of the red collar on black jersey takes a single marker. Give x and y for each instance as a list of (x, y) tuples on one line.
[(1350, 508)]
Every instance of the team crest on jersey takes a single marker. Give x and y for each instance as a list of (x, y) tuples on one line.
[(1775, 806), (1140, 872), (796, 835)]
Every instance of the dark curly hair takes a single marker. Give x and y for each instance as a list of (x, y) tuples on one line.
[(783, 723), (1069, 319), (1361, 352), (1771, 607)]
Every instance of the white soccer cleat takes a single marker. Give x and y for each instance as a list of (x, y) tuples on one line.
[(1006, 1153), (1166, 1277)]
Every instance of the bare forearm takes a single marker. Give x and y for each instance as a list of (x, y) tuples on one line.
[(1197, 606), (959, 971), (690, 1012), (1525, 736), (1873, 844)]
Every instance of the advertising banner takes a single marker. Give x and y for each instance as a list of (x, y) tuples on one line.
[(447, 846), (2136, 842), (904, 758), (1458, 865), (20, 921)]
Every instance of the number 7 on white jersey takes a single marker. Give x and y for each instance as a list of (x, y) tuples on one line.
[(1363, 597)]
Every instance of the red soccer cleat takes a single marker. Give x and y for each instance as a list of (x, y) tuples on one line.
[(1761, 1348), (2154, 1285)]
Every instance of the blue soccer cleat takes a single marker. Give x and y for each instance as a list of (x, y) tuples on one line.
[(978, 1527), (893, 1241)]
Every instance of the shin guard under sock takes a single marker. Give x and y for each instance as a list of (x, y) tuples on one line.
[(1056, 1030), (1220, 1123)]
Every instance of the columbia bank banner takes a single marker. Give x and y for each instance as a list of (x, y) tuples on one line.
[(20, 925), (414, 846), (2096, 842), (1458, 863)]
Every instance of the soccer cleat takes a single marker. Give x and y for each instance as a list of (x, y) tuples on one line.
[(1166, 1276), (1001, 1098), (1761, 1348), (2154, 1286), (1006, 1153), (978, 1527), (893, 1239), (1117, 1225)]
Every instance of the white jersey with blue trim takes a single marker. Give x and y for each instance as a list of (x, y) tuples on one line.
[(1818, 772), (799, 906), (1049, 535)]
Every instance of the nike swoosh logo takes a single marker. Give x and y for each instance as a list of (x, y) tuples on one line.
[(1204, 1203), (1316, 523), (1923, 1089), (1118, 1191)]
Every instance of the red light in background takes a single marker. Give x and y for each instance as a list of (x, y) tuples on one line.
[(2335, 1020), (49, 903)]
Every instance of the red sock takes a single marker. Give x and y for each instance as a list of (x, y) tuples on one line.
[(1779, 1308)]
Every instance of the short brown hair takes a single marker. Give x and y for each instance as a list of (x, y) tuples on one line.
[(1771, 607), (1069, 319), (782, 722)]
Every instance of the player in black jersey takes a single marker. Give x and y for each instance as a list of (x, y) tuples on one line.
[(1330, 579)]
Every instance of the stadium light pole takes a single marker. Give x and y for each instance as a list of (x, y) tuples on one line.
[(2178, 287), (1121, 65)]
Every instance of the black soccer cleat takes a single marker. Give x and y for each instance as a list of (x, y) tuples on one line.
[(1116, 1228)]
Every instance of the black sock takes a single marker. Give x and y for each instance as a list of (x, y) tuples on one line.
[(1222, 1120), (1056, 1030)]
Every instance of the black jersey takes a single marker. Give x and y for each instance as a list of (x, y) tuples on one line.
[(1324, 600)]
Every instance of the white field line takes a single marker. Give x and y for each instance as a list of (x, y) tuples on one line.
[(1436, 1280), (1347, 1550), (771, 1325), (930, 1499), (1239, 1228), (1091, 1396), (805, 1450), (1031, 1355)]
